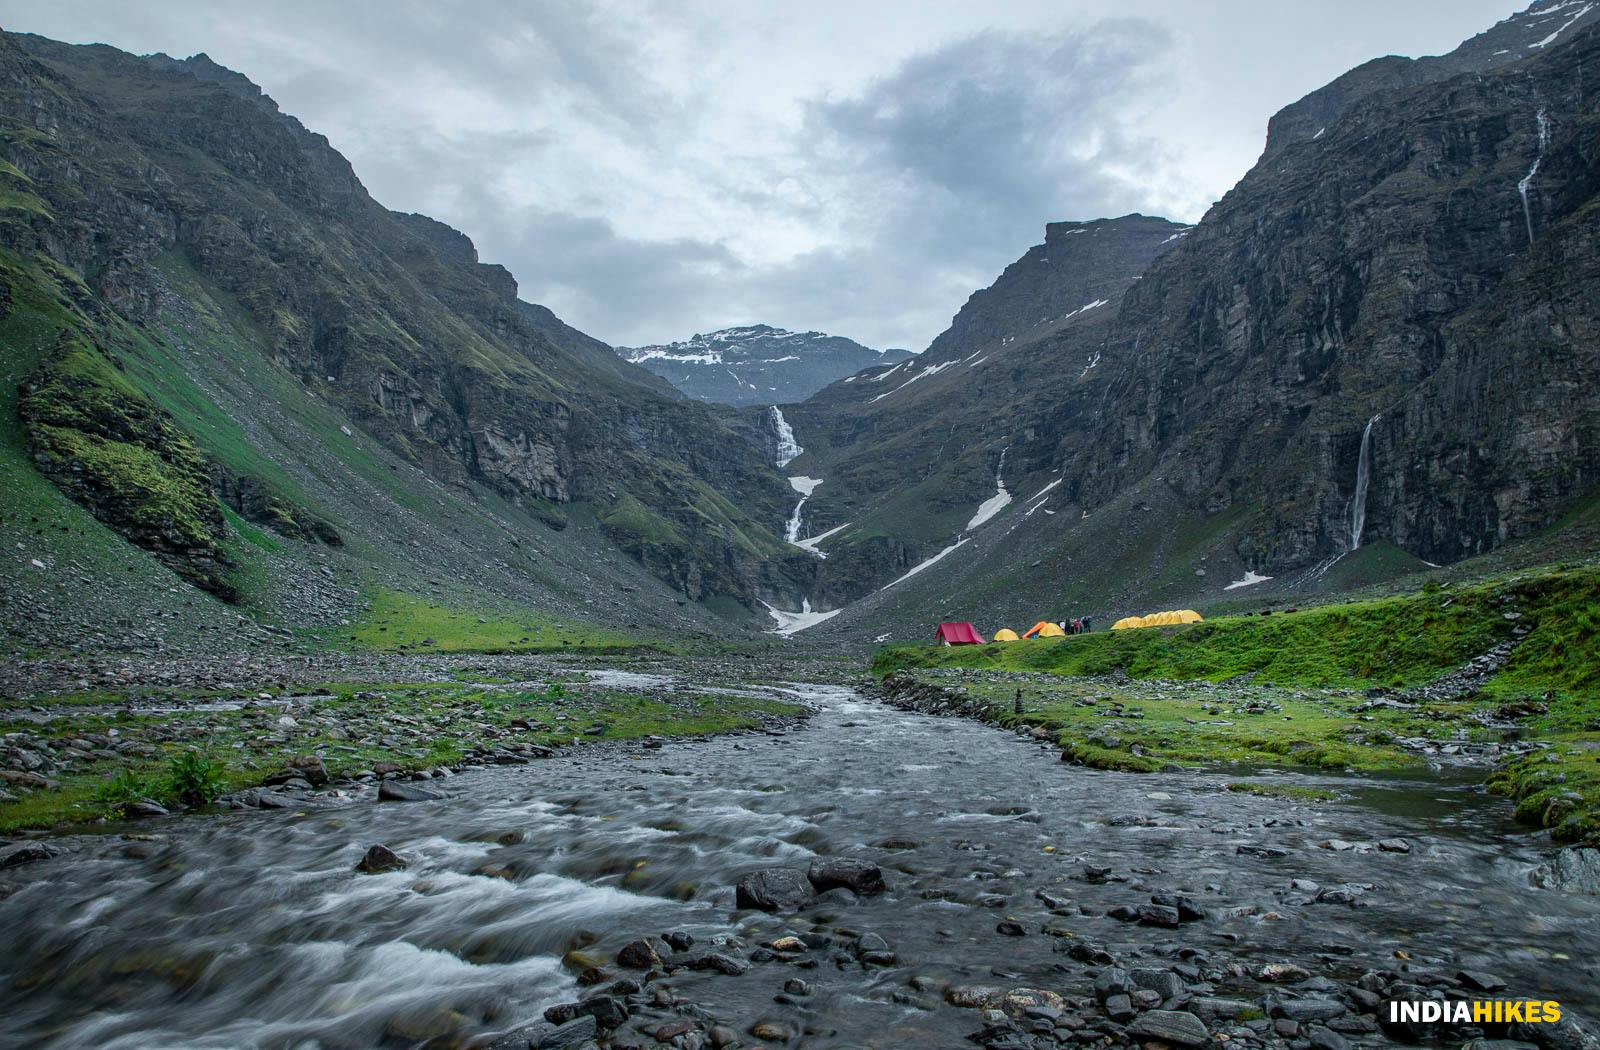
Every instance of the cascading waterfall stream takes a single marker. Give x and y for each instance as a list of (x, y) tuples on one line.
[(788, 448), (1358, 502), (1527, 180)]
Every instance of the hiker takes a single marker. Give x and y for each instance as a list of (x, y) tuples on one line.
[(1086, 628)]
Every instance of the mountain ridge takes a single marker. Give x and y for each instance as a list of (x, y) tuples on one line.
[(757, 364)]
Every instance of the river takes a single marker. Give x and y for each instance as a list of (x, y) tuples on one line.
[(254, 930)]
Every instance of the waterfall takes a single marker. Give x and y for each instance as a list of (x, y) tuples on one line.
[(805, 486), (1358, 502), (1527, 180), (788, 448)]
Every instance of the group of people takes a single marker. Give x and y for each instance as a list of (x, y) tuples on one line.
[(1077, 626)]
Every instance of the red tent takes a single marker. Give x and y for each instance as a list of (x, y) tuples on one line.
[(959, 633)]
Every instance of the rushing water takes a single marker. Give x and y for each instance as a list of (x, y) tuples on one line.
[(1526, 181), (1358, 501), (788, 448), (254, 931)]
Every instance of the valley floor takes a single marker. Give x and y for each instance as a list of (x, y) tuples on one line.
[(857, 877)]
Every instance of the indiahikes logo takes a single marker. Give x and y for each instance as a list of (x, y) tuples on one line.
[(1477, 1011)]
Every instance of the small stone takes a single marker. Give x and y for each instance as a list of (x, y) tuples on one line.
[(1011, 928), (1282, 973), (771, 1031), (1394, 845)]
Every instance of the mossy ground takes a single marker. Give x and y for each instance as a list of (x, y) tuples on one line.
[(350, 725), (1289, 689), (397, 621)]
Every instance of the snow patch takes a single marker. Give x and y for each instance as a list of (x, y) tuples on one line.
[(924, 564), (1547, 41), (996, 503), (811, 544), (1251, 578), (931, 370), (793, 623)]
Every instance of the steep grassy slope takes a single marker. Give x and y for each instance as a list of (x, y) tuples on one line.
[(189, 215), (371, 403)]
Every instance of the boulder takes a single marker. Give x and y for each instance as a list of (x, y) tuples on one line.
[(858, 876), (401, 791), (380, 858), (1178, 1027), (774, 889)]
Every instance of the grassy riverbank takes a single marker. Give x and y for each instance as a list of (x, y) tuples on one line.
[(98, 752), (1375, 684)]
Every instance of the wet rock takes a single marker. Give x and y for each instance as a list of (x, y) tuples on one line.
[(1011, 928), (1189, 910), (1282, 973), (1260, 851), (1113, 980), (1157, 915), (973, 996), (1565, 1034), (1394, 845), (858, 876), (1164, 983), (679, 940), (774, 889), (27, 853), (642, 954), (673, 1029), (1322, 1038), (718, 962), (1575, 869), (380, 858), (1120, 1008), (1479, 981), (771, 1031), (722, 1036), (1178, 1027), (401, 791), (1304, 1010), (144, 808), (571, 1034)]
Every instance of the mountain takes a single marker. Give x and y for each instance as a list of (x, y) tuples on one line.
[(222, 351), (758, 364), (1376, 351)]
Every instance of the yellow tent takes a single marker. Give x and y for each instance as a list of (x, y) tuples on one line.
[(1045, 629), (1170, 618), (1005, 634)]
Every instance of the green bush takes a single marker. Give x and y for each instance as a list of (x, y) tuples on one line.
[(195, 779), (121, 789)]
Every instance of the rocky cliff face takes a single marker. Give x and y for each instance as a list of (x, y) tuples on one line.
[(1384, 334), (758, 364), (124, 171), (1426, 265)]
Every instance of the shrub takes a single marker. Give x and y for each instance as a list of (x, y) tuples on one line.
[(194, 778)]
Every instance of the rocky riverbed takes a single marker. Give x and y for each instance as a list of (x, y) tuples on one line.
[(873, 877)]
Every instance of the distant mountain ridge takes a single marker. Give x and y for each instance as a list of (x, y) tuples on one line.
[(758, 364)]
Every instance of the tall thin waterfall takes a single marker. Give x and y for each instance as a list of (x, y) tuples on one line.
[(788, 448), (1358, 503), (1527, 180)]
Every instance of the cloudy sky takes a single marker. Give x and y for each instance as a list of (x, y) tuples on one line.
[(650, 170)]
